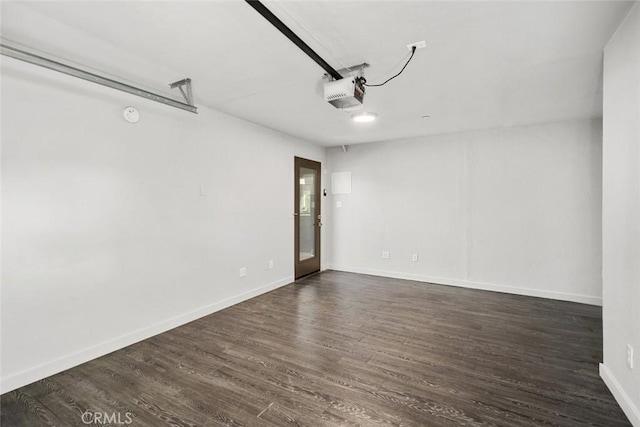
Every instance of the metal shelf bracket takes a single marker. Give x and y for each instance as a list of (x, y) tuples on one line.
[(181, 84)]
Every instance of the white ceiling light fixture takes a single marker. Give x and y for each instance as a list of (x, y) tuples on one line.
[(364, 117)]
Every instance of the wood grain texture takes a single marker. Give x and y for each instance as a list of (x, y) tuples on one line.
[(347, 349)]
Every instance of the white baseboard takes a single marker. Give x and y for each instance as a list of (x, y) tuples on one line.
[(562, 296), (28, 376), (630, 409)]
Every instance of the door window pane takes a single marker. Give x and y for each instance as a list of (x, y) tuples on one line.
[(307, 213)]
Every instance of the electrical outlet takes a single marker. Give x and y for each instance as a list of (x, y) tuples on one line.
[(243, 272), (414, 257), (630, 356), (270, 265), (385, 255), (418, 45)]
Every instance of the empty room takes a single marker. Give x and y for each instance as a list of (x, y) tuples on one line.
[(320, 213)]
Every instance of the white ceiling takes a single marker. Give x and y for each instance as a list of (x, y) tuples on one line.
[(486, 65)]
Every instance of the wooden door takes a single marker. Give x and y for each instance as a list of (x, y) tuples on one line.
[(307, 217)]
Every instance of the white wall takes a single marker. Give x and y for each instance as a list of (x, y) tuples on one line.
[(106, 239), (514, 210), (621, 214)]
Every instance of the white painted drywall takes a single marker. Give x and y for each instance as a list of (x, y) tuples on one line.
[(515, 210), (106, 237), (621, 214)]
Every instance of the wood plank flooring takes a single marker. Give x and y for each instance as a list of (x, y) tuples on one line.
[(346, 349)]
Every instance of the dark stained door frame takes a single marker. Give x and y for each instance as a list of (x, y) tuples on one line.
[(310, 265)]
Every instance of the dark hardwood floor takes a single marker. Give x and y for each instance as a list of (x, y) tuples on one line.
[(346, 349)]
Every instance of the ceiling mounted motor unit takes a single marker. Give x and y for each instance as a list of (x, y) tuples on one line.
[(346, 93)]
